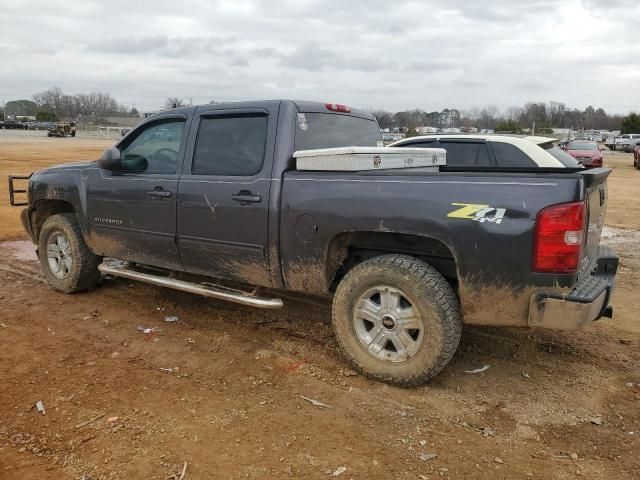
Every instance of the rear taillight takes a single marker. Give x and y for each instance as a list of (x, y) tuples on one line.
[(336, 107), (558, 238)]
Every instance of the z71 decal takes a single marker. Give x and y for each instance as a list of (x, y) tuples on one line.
[(477, 212)]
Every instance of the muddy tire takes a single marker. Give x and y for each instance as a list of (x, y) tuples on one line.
[(397, 320), (67, 263)]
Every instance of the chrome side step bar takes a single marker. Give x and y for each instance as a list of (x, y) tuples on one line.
[(212, 291)]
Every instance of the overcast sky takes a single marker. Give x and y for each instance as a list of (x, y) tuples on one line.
[(390, 54)]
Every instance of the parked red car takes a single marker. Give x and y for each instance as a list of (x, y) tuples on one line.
[(636, 156), (586, 152)]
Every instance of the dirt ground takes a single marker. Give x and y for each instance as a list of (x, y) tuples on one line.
[(221, 389)]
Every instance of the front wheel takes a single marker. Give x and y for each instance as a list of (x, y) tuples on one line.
[(67, 263), (397, 319)]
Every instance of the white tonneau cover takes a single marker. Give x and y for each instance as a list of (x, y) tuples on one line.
[(353, 159)]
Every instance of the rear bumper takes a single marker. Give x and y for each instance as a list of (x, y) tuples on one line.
[(587, 301)]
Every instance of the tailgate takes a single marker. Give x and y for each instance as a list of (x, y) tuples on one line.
[(595, 183)]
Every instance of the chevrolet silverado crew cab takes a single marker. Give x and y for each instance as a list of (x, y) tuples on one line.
[(407, 255)]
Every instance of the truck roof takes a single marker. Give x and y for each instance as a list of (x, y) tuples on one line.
[(302, 106)]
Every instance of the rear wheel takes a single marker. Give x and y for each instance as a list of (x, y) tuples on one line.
[(67, 263), (397, 319)]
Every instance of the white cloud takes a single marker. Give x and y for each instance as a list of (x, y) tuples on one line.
[(394, 55)]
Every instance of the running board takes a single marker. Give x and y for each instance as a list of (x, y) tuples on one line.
[(211, 291)]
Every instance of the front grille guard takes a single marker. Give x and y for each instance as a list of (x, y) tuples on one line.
[(13, 190)]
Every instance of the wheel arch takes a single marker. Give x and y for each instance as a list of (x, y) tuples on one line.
[(347, 249), (43, 209)]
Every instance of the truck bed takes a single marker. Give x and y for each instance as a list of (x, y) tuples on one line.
[(488, 256)]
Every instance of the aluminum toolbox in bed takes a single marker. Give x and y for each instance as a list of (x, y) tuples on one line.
[(353, 159)]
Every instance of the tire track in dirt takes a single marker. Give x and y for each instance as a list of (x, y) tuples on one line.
[(232, 406)]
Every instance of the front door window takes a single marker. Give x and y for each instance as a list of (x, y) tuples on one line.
[(155, 149)]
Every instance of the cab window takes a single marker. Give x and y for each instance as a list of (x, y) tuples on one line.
[(155, 149), (230, 145)]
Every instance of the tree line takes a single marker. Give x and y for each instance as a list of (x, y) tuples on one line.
[(54, 104), (545, 115)]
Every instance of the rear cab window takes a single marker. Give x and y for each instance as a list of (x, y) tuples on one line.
[(332, 130)]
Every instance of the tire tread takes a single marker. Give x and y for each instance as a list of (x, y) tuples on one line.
[(88, 274), (445, 298)]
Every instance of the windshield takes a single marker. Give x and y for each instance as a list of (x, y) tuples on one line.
[(583, 146), (560, 155), (328, 130)]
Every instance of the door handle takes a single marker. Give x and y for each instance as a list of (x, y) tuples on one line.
[(160, 193), (245, 196)]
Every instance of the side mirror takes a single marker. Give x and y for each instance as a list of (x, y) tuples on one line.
[(110, 159)]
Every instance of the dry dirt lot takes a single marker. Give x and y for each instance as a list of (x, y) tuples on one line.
[(220, 390)]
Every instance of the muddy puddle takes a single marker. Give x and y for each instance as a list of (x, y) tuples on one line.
[(620, 236), (19, 250)]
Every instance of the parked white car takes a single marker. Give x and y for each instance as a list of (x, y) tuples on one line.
[(500, 151)]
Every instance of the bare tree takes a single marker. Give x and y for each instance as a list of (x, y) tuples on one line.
[(513, 113), (556, 112), (72, 106), (173, 102), (384, 118), (50, 99)]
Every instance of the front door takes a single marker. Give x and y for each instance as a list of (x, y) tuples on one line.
[(223, 196), (133, 209)]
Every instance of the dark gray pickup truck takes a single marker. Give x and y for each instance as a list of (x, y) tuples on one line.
[(407, 256)]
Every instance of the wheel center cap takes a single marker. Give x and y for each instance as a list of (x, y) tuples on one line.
[(388, 322)]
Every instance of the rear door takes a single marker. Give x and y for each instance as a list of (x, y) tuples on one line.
[(223, 196)]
